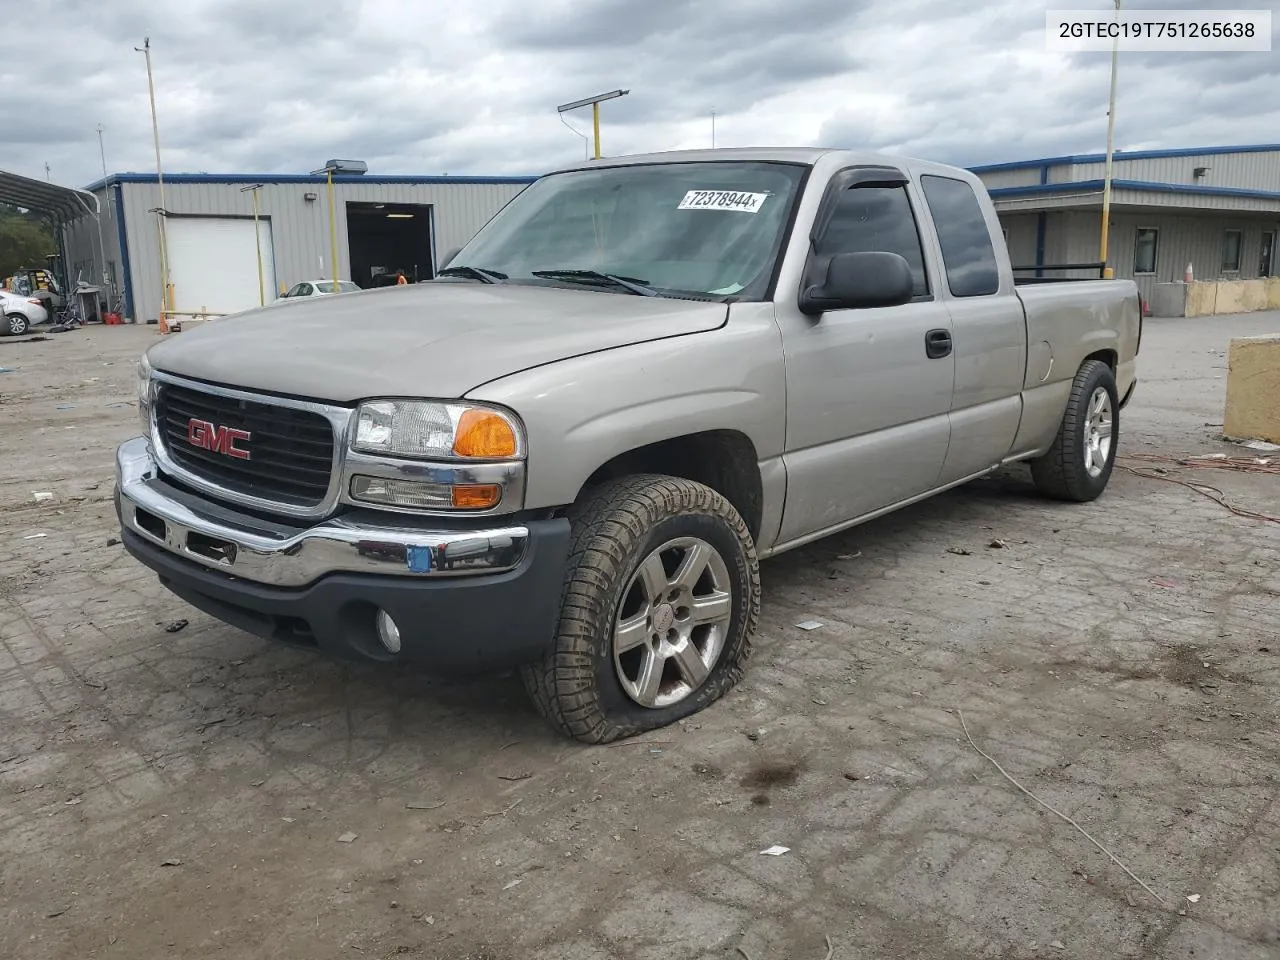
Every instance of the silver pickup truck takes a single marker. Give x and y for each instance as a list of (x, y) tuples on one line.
[(569, 452)]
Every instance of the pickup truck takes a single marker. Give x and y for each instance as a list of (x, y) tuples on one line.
[(568, 453)]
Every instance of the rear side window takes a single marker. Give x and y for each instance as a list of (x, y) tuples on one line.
[(875, 220), (967, 253)]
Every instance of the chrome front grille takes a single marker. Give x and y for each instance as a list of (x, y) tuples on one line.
[(275, 452)]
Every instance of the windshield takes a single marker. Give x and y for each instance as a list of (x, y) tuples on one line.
[(344, 286), (710, 229)]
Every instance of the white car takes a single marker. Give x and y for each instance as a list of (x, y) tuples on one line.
[(318, 288), (19, 314)]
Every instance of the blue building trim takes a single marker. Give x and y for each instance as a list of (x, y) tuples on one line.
[(1125, 155), (125, 270), (246, 178), (1076, 186)]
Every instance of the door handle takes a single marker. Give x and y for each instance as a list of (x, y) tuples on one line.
[(937, 344)]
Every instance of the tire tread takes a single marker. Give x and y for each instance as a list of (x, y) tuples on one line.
[(606, 521), (1059, 473)]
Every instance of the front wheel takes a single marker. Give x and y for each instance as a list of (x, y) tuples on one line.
[(661, 599), (15, 324), (1079, 464)]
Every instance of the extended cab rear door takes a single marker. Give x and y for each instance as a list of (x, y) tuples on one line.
[(987, 320), (868, 390)]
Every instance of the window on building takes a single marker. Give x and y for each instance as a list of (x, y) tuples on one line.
[(1232, 241), (1266, 260), (967, 252), (1144, 250), (876, 220)]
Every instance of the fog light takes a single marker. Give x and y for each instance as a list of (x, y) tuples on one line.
[(388, 632), (424, 495), (402, 493)]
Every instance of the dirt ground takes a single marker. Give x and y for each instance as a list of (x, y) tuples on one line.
[(187, 794)]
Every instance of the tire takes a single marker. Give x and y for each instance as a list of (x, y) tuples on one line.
[(1079, 464), (15, 325), (588, 688)]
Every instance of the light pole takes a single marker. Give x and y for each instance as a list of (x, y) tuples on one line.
[(1107, 272), (329, 169), (257, 239), (594, 103), (162, 210), (108, 281)]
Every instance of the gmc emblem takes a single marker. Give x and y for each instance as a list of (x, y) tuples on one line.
[(218, 439)]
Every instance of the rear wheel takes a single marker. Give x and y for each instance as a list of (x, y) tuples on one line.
[(1079, 464), (15, 324), (661, 598)]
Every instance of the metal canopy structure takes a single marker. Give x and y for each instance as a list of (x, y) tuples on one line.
[(58, 203), (61, 206)]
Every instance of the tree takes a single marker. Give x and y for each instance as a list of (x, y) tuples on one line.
[(25, 241)]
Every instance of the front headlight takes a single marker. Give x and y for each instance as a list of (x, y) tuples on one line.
[(420, 429), (145, 389)]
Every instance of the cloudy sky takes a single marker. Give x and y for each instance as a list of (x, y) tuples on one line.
[(428, 87)]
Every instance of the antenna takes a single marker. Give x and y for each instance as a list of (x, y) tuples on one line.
[(102, 151)]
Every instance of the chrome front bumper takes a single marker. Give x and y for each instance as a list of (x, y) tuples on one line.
[(288, 556)]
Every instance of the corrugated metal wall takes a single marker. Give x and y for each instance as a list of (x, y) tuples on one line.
[(1067, 238), (1021, 238), (1150, 198), (299, 228), (1256, 171), (1074, 237), (1022, 177), (1134, 198), (82, 252)]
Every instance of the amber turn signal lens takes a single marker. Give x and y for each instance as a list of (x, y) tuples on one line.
[(484, 434), (477, 496)]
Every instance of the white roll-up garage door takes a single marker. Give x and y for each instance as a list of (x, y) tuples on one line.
[(213, 264)]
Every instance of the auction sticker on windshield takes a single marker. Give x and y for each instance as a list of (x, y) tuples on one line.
[(722, 200)]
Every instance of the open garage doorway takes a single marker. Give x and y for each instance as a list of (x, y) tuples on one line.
[(385, 238)]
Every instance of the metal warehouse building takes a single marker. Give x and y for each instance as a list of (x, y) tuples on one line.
[(383, 224), (1216, 208)]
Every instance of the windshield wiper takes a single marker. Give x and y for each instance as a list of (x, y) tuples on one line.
[(595, 276), (476, 273)]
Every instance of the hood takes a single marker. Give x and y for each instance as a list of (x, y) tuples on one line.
[(437, 340)]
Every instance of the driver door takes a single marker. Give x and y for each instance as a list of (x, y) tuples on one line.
[(869, 389)]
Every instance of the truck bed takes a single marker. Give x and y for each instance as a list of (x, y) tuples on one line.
[(1077, 319)]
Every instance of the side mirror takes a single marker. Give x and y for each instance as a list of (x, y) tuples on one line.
[(860, 280), (448, 257)]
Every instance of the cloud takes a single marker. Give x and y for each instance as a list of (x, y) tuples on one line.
[(425, 86)]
